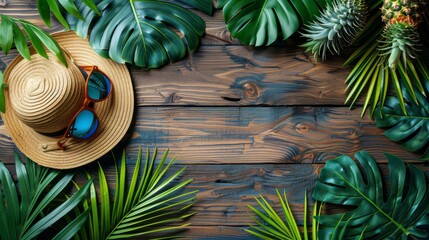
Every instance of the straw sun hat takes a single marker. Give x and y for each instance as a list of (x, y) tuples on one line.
[(43, 96)]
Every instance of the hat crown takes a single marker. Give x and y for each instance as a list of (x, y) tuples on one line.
[(45, 95)]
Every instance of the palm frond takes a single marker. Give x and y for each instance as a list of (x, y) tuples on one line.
[(46, 7), (27, 211), (274, 226), (152, 204), (12, 35)]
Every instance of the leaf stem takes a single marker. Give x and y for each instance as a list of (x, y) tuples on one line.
[(138, 24), (374, 205)]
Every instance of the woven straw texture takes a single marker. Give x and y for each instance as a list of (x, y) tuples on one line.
[(43, 96)]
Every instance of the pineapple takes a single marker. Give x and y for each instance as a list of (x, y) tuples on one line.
[(401, 38), (336, 28)]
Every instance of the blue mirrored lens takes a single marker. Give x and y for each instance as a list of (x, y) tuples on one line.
[(84, 126), (98, 86)]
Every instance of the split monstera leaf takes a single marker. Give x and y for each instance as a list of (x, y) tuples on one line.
[(141, 32), (259, 22), (398, 215), (410, 130)]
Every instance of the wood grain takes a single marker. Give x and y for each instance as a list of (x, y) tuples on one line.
[(237, 75), (234, 135), (231, 135)]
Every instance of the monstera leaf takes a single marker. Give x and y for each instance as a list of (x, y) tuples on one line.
[(145, 33), (397, 215), (411, 130), (258, 22)]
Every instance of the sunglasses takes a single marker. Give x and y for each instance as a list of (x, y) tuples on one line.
[(85, 122)]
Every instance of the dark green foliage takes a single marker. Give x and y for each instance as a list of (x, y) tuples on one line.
[(143, 33), (26, 212), (411, 130), (397, 215), (46, 7), (152, 204), (259, 22)]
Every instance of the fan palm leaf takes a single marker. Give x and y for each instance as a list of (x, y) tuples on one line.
[(412, 130), (145, 33), (398, 215), (258, 23), (151, 204), (27, 211), (275, 226)]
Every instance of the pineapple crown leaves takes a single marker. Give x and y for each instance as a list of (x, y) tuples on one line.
[(400, 40), (337, 27), (400, 36)]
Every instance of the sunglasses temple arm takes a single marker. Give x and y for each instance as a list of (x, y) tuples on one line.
[(62, 141)]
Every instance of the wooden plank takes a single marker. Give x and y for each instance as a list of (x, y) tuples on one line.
[(217, 232), (234, 135), (236, 76), (231, 135)]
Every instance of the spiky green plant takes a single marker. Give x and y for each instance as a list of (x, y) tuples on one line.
[(401, 38), (273, 226), (28, 208), (337, 27), (150, 205), (371, 72)]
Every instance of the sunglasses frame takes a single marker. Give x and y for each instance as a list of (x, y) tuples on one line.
[(86, 105)]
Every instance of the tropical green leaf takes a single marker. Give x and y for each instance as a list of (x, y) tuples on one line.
[(145, 33), (46, 7), (411, 130), (375, 215), (148, 205), (259, 22), (275, 226), (205, 6), (37, 36), (26, 212)]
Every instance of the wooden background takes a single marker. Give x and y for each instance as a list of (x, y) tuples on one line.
[(244, 121)]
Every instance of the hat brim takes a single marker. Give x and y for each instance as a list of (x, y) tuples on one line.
[(115, 114)]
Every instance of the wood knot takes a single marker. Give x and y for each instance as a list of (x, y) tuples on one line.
[(302, 127), (251, 90)]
